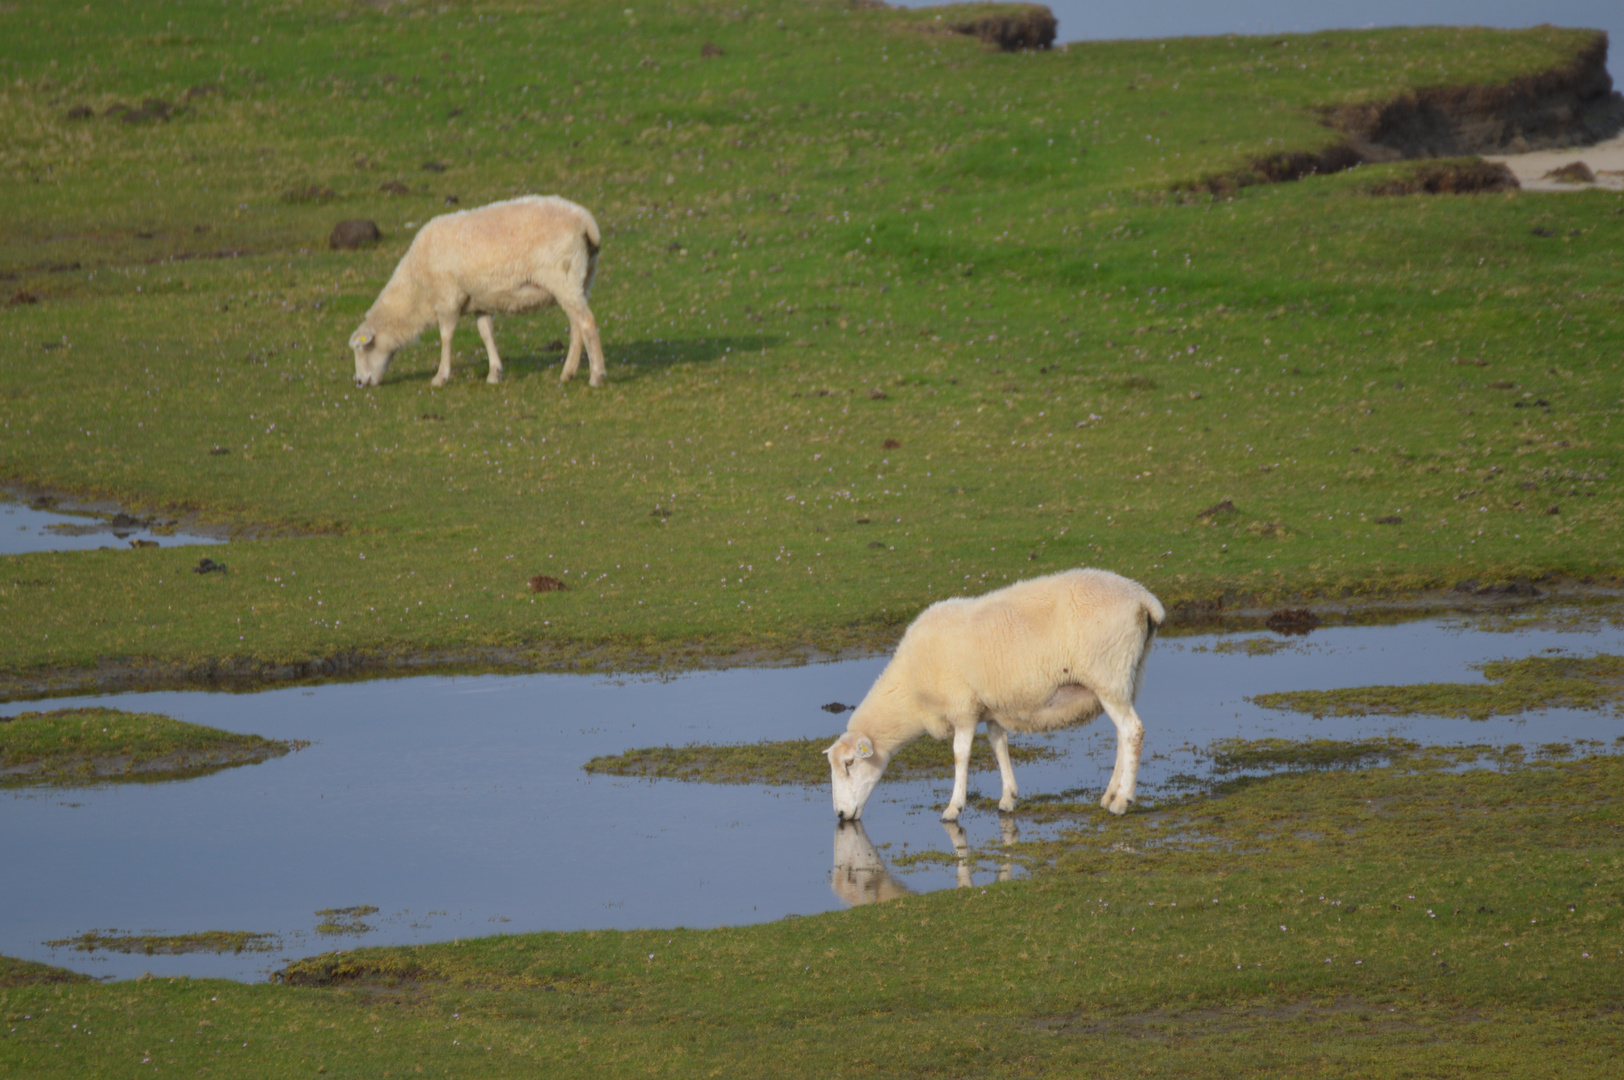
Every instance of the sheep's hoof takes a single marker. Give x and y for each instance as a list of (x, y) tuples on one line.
[(950, 814), (437, 381), (494, 377), (1006, 804), (595, 382), (1118, 806)]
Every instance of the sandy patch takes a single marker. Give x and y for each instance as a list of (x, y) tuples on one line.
[(1605, 160)]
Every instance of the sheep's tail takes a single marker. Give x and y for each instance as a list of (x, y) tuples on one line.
[(594, 243), (1154, 616)]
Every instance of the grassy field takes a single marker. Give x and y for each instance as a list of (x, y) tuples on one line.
[(890, 316)]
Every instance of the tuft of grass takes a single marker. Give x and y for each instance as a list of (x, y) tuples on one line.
[(68, 747), (793, 761), (1516, 686), (215, 941)]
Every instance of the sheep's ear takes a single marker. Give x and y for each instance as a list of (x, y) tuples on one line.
[(362, 337), (865, 748)]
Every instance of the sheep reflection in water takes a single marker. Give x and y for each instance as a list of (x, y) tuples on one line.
[(860, 875)]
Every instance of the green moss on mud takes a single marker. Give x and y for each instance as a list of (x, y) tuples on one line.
[(71, 747), (793, 761), (215, 941), (1515, 687)]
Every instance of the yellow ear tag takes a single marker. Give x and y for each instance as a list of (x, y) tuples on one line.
[(865, 749)]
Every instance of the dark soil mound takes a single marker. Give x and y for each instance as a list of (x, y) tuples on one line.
[(1032, 27), (352, 234), (1451, 178)]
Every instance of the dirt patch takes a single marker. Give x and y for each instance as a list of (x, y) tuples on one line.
[(1468, 177), (1016, 31)]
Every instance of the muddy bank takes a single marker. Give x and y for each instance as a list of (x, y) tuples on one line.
[(1232, 612), (1571, 105)]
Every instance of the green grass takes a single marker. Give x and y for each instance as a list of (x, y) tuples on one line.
[(791, 761), (71, 747), (1515, 687), (852, 272), (1344, 922), (215, 941)]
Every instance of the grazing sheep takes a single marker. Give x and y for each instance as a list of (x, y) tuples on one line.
[(504, 258), (1035, 656)]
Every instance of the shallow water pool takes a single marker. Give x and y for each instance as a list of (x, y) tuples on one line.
[(457, 805), (27, 528)]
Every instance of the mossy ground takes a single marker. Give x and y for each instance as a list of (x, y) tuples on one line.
[(1514, 687), (68, 747), (792, 761)]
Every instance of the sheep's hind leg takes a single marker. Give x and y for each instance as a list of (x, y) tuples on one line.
[(962, 738), (1130, 742), (998, 739), (583, 331), (448, 327), (489, 338)]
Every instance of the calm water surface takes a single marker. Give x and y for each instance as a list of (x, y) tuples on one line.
[(457, 806), (25, 529)]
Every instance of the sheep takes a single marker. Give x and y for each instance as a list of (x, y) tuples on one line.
[(507, 257), (1034, 656)]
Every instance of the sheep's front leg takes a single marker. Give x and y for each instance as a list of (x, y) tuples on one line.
[(448, 327), (998, 739), (1130, 744), (487, 335), (962, 738)]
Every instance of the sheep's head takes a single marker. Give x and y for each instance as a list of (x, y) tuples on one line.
[(854, 768), (371, 358)]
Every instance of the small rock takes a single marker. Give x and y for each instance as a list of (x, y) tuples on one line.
[(1217, 512), (81, 112), (1391, 519), (21, 297), (544, 583), (835, 707), (394, 187), (352, 234), (209, 566), (434, 166), (890, 444), (710, 48), (143, 543), (1574, 172), (218, 450), (876, 394), (1552, 510)]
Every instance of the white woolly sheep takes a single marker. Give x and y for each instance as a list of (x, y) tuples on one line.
[(1038, 655), (505, 258)]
